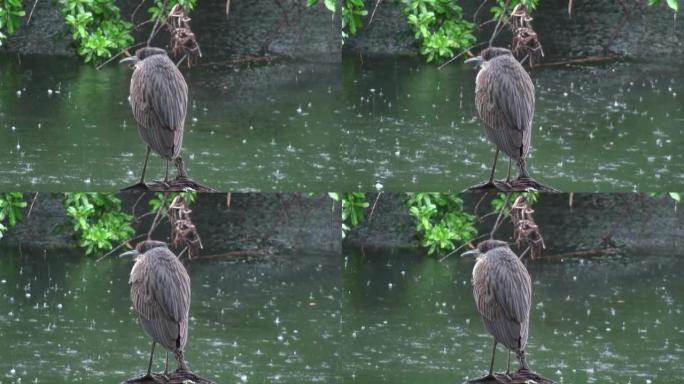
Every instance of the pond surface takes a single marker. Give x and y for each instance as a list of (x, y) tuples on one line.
[(66, 319), (410, 319), (379, 123), (382, 317), (412, 127), (266, 128)]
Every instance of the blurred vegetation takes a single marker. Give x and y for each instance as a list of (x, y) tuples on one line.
[(98, 220), (98, 28), (440, 220), (353, 206), (10, 13), (438, 25), (12, 205), (499, 201)]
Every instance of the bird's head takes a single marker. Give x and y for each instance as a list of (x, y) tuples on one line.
[(487, 54), (143, 247), (484, 247), (142, 54)]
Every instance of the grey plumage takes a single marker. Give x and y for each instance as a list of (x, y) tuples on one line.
[(158, 98), (160, 292), (503, 295), (504, 97)]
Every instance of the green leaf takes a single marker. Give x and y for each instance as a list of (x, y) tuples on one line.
[(675, 196), (674, 4)]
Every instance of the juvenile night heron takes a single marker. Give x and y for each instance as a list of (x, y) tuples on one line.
[(160, 291), (503, 295), (504, 97), (159, 100)]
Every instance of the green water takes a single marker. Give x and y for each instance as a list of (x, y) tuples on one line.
[(366, 317), (410, 319), (266, 129), (395, 124), (613, 127), (66, 319)]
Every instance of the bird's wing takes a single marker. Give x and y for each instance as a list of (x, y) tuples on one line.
[(159, 97), (514, 295), (160, 288), (503, 295), (505, 96)]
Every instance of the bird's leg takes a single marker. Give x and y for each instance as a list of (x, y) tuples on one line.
[(182, 366), (490, 377), (166, 175), (491, 177), (491, 366), (147, 156), (149, 367), (522, 169), (522, 361), (508, 177), (166, 366), (180, 167), (508, 368)]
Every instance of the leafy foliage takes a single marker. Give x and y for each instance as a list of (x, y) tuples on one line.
[(97, 26), (158, 201), (673, 4), (440, 220), (10, 12), (156, 9), (353, 206), (500, 6), (352, 11), (498, 201), (12, 205), (439, 26), (98, 219)]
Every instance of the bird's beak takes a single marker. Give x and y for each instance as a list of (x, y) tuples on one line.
[(132, 253), (130, 60), (471, 253), (476, 60)]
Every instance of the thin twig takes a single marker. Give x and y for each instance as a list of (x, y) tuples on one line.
[(155, 222), (462, 52), (498, 218), (117, 55), (478, 11), (498, 23), (227, 8), (28, 21), (137, 8), (140, 196), (584, 253), (461, 247), (478, 205), (32, 202), (524, 252), (374, 204), (156, 23), (120, 245), (374, 9)]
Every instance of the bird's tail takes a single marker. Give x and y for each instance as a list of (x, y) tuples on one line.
[(522, 360), (180, 167), (182, 365)]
